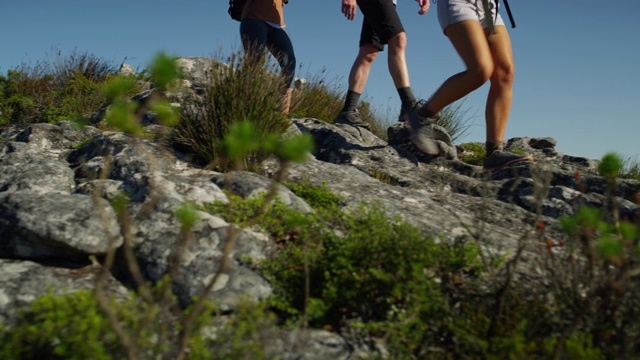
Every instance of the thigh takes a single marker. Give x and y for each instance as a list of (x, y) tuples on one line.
[(470, 41), (279, 43), (382, 17), (501, 50), (369, 36), (254, 34), (454, 11)]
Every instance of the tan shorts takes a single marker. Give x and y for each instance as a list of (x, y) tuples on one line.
[(454, 11)]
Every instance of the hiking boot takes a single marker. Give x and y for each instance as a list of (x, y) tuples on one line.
[(421, 130), (500, 159), (352, 118)]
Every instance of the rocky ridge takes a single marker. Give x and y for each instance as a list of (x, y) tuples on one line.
[(50, 225)]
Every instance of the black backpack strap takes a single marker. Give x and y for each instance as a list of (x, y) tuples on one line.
[(506, 5)]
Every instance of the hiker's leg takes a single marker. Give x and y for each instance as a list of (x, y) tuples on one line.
[(281, 47), (254, 37), (469, 40), (501, 90), (285, 102), (359, 73), (386, 24), (397, 60), (370, 46)]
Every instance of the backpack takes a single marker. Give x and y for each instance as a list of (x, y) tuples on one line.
[(235, 8)]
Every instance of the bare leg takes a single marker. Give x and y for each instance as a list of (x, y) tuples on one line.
[(360, 70), (285, 101), (397, 61), (469, 40), (501, 90)]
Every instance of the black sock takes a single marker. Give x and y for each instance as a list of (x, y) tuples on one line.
[(406, 96), (492, 146), (351, 101)]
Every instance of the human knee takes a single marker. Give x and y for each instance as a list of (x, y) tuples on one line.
[(398, 42), (480, 72), (368, 53), (504, 74)]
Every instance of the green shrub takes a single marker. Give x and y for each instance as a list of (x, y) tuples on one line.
[(631, 169), (73, 326), (319, 98), (66, 87), (78, 98), (318, 197), (66, 327), (247, 90), (245, 335), (473, 153)]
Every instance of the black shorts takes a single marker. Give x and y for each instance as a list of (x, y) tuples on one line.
[(381, 22)]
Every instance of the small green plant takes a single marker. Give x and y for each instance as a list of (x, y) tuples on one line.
[(518, 151), (318, 197), (473, 153), (384, 177)]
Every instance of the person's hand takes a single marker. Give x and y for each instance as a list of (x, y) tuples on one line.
[(424, 6), (349, 8)]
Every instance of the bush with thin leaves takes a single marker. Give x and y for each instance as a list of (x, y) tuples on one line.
[(245, 90), (456, 119)]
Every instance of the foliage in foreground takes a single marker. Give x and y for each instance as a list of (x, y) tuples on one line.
[(74, 326), (363, 273)]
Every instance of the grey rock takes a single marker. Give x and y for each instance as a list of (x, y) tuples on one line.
[(24, 170), (126, 70), (543, 143), (55, 226), (22, 282), (246, 185), (158, 236)]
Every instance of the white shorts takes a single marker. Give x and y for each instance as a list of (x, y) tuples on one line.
[(454, 11)]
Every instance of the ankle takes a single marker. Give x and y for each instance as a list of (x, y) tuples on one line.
[(492, 146), (425, 112)]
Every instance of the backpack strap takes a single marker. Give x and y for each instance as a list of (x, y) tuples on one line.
[(506, 5)]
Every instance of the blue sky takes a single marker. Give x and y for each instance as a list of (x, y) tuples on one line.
[(577, 62)]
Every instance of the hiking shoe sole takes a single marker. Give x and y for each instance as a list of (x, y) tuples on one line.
[(423, 139), (421, 130), (525, 158), (351, 118)]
